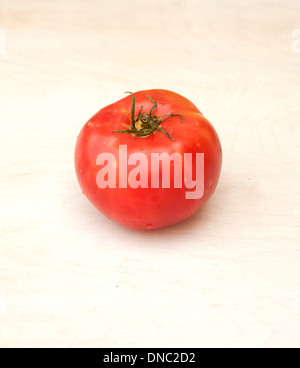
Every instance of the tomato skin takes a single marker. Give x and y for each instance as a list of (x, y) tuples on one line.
[(147, 208)]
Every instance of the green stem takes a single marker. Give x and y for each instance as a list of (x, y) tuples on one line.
[(147, 124), (165, 116), (166, 133), (153, 107), (132, 108)]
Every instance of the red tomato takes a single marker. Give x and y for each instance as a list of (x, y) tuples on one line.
[(125, 161)]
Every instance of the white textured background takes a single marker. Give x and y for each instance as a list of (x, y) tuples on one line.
[(227, 277)]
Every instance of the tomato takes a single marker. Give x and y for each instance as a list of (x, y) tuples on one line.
[(148, 160)]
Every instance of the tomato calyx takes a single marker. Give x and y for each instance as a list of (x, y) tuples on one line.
[(146, 123)]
